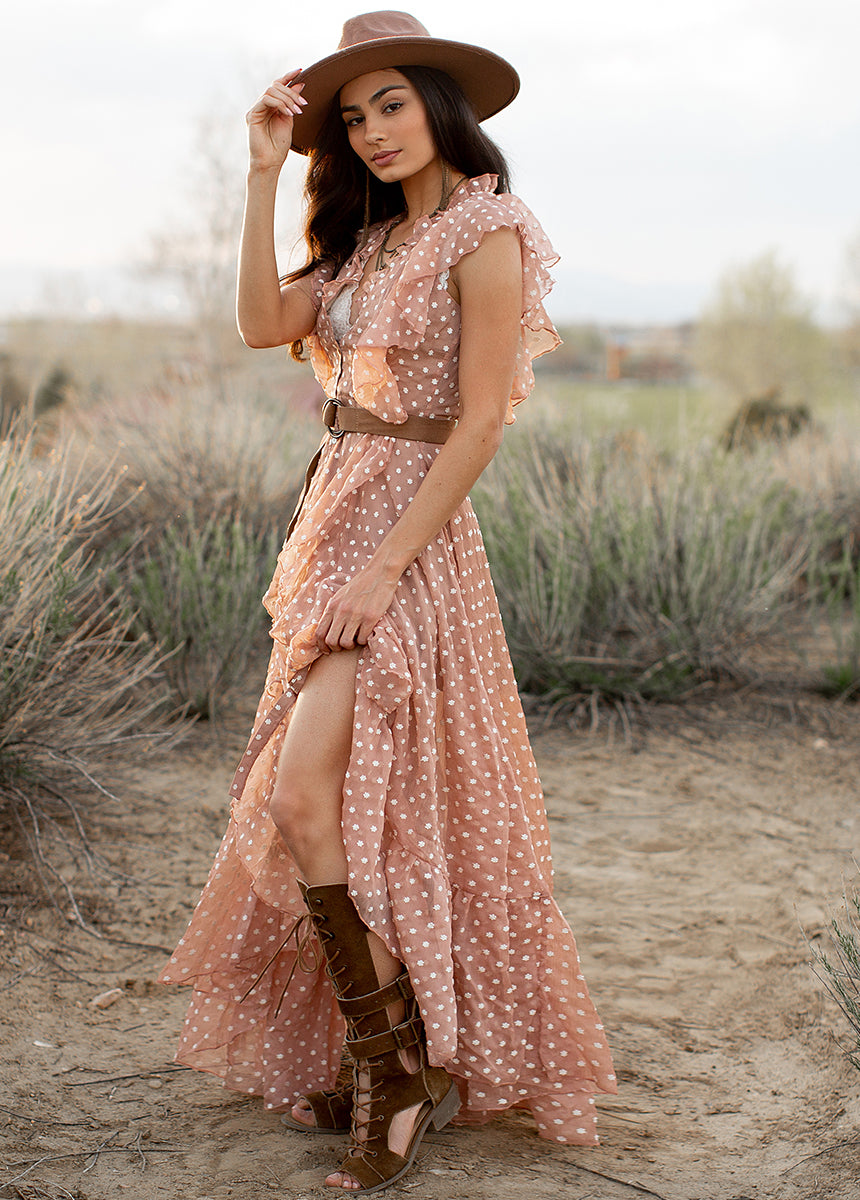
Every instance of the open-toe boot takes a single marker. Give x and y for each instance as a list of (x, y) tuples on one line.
[(383, 1085), (332, 1108)]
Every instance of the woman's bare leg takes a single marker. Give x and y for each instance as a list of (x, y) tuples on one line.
[(306, 807), (307, 799)]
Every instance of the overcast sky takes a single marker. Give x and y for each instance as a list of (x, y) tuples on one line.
[(658, 143)]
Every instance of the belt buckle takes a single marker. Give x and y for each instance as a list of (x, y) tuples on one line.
[(329, 416)]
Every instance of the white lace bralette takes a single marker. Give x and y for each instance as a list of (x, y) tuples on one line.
[(340, 311)]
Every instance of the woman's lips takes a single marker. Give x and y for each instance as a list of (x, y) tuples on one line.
[(382, 160)]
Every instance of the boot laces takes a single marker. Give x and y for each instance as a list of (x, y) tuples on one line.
[(308, 957)]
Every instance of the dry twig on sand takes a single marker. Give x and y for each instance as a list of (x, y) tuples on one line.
[(104, 1147)]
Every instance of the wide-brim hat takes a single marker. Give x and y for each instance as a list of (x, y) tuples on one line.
[(396, 39)]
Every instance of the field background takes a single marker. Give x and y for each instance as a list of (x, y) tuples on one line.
[(702, 838)]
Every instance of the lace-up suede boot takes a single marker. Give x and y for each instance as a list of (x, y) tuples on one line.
[(383, 1085)]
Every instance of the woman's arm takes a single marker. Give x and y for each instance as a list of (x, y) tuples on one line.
[(266, 313), (490, 285)]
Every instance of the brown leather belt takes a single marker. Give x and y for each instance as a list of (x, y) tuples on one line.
[(342, 418)]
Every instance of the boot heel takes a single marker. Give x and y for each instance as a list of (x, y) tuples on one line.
[(447, 1108)]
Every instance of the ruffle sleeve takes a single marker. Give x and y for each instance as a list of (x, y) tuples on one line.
[(460, 231), (314, 285), (316, 281)]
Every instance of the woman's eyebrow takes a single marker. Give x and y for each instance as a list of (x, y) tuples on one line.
[(392, 87)]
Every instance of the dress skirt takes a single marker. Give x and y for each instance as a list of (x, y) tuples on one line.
[(443, 824)]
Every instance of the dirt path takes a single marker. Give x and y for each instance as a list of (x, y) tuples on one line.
[(687, 868)]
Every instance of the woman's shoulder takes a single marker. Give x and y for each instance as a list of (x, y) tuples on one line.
[(478, 210)]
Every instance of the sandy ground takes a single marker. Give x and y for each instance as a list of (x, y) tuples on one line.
[(688, 864)]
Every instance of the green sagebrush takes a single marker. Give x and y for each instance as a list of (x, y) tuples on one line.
[(627, 573), (195, 589), (839, 970), (839, 594), (75, 683)]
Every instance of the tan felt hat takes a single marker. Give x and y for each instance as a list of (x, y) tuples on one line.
[(396, 39)]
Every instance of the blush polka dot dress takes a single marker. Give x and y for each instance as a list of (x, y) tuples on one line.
[(443, 816)]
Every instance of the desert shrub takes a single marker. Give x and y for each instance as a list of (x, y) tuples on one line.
[(196, 589), (13, 397), (765, 418), (837, 591), (202, 454), (826, 469), (211, 484), (75, 684), (52, 391), (839, 970), (627, 574)]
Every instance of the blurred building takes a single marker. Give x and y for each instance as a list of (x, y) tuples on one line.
[(617, 353)]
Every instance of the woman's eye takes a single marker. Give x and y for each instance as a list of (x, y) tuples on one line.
[(350, 121), (393, 106)]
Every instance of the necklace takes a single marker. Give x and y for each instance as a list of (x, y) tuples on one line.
[(387, 254)]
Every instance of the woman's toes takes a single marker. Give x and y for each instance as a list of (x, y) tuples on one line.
[(304, 1115), (342, 1180)]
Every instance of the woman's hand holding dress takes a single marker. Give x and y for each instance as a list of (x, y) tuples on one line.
[(354, 609)]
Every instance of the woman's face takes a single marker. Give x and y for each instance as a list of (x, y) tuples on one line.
[(387, 125)]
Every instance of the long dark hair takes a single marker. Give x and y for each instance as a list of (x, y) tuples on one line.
[(339, 187)]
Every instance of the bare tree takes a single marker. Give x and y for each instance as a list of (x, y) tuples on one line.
[(199, 254), (757, 336)]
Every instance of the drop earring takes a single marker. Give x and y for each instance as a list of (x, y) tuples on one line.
[(446, 187), (366, 229)]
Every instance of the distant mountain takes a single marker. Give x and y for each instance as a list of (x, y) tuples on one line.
[(583, 296), (578, 296), (95, 292)]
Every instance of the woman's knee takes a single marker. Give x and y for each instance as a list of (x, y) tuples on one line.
[(308, 792), (297, 808)]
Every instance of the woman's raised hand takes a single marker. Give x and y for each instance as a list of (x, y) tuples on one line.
[(270, 122)]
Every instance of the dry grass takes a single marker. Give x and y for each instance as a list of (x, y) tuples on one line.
[(211, 483), (839, 970), (75, 685), (628, 573)]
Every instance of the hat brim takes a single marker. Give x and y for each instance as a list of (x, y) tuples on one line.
[(489, 81)]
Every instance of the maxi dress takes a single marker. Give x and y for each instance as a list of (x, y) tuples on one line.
[(443, 817)]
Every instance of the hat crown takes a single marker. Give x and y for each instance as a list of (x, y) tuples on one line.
[(370, 27)]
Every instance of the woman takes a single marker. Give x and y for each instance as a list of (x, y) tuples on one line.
[(389, 784)]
